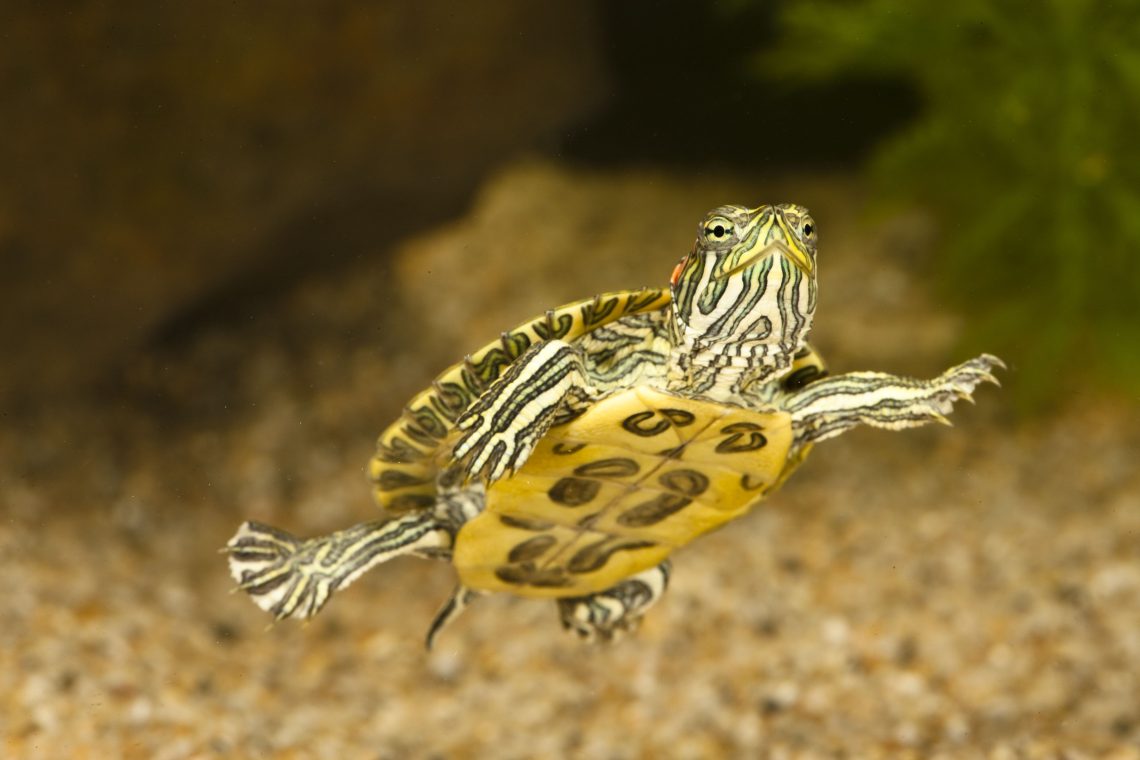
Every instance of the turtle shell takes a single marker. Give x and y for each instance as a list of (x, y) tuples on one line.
[(407, 460), (616, 490)]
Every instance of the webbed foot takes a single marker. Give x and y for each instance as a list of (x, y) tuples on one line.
[(958, 383), (830, 406), (293, 578), (608, 615)]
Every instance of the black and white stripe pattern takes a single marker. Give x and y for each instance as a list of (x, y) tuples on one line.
[(631, 351), (289, 577), (743, 305), (830, 406), (404, 468), (553, 383), (609, 614), (502, 427)]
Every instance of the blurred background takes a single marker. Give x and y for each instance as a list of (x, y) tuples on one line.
[(236, 239)]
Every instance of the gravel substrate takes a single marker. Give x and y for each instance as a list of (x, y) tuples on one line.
[(939, 593)]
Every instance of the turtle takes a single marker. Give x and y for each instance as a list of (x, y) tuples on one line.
[(571, 457)]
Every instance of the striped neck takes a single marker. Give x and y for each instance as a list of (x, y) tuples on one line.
[(748, 334), (722, 372)]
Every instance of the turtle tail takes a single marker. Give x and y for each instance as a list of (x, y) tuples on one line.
[(290, 577)]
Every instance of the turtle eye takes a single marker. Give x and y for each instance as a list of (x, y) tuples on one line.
[(809, 230), (718, 229)]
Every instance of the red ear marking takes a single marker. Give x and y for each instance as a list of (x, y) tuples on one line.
[(677, 272)]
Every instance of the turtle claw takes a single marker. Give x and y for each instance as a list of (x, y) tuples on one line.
[(967, 376), (995, 361), (958, 384)]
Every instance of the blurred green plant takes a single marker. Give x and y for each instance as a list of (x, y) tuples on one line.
[(1028, 151)]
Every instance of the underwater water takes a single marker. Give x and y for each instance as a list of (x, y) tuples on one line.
[(224, 349)]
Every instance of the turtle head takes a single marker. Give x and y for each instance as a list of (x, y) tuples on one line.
[(744, 297)]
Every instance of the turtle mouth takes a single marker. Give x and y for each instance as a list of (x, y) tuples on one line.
[(793, 253)]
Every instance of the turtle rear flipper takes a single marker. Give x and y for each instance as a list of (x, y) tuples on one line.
[(291, 577), (607, 615)]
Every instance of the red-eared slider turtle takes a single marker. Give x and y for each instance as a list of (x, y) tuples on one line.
[(569, 458)]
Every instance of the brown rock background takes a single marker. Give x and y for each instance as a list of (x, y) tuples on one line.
[(164, 159)]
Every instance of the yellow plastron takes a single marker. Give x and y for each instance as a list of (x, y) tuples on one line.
[(616, 490)]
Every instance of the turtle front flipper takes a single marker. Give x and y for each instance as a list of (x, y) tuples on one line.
[(292, 577), (607, 615), (500, 430), (833, 405)]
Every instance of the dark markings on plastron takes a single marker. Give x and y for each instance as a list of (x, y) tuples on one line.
[(562, 448), (574, 492), (525, 523), (653, 511), (688, 482), (526, 574), (594, 556), (532, 548), (636, 424), (678, 417), (748, 484), (647, 424), (589, 521), (742, 436), (673, 453), (566, 414), (615, 467)]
